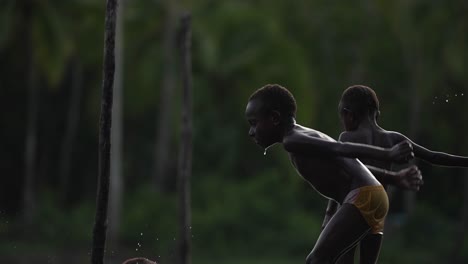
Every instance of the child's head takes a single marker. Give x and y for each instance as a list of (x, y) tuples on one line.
[(268, 110), (357, 103)]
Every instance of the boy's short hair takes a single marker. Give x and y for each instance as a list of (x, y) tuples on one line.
[(276, 97), (360, 99)]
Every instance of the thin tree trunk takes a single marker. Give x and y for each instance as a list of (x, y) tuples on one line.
[(116, 185), (70, 130), (167, 90), (31, 126), (185, 154), (100, 221)]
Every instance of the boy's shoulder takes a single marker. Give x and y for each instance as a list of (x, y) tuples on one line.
[(347, 135), (309, 132), (353, 136), (394, 136), (363, 136), (299, 130)]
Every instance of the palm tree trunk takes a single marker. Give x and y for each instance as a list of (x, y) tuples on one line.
[(116, 184), (100, 222), (167, 90), (185, 154)]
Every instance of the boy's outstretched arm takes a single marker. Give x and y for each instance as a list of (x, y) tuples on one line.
[(310, 145), (434, 157), (409, 178)]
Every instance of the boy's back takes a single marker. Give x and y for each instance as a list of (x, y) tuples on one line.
[(375, 136), (359, 110)]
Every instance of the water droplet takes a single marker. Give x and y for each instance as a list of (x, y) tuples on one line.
[(433, 102), (157, 238), (264, 152), (190, 227), (174, 238), (455, 95), (446, 100), (136, 249), (141, 234), (462, 94), (435, 97)]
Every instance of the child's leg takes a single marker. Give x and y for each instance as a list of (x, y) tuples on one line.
[(370, 248), (348, 257), (345, 229)]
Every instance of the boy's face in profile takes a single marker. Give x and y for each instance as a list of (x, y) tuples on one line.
[(263, 128)]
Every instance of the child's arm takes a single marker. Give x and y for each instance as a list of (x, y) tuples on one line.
[(329, 212), (309, 145), (409, 178), (433, 157)]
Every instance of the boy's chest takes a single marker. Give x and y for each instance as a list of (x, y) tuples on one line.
[(316, 169)]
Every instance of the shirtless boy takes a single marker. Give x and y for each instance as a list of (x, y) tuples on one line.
[(330, 167), (359, 111)]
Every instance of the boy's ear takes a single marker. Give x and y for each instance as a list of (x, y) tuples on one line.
[(275, 117), (377, 115)]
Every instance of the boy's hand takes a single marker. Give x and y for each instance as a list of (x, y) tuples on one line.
[(409, 178), (402, 152)]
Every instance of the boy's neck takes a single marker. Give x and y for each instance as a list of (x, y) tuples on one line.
[(369, 122), (288, 126)]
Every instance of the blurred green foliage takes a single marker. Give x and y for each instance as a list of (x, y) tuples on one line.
[(244, 203)]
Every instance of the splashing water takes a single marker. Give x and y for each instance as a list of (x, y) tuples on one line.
[(446, 97), (265, 151)]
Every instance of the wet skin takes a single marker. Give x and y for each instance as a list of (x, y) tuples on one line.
[(329, 166)]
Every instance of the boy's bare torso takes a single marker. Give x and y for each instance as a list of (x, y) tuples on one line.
[(333, 177)]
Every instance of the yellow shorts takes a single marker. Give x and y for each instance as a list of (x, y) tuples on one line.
[(372, 202)]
